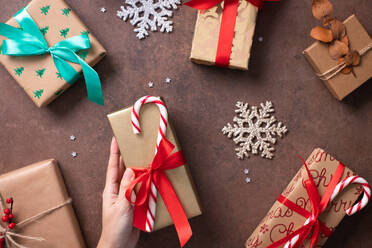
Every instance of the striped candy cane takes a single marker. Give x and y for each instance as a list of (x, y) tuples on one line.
[(366, 189), (150, 220), (352, 210)]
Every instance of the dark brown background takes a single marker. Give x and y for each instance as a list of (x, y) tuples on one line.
[(201, 101)]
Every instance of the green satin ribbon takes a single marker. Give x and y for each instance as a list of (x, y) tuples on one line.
[(29, 41)]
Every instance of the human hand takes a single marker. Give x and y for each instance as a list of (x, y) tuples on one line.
[(117, 211)]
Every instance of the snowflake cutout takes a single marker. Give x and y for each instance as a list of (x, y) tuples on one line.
[(148, 14), (254, 130)]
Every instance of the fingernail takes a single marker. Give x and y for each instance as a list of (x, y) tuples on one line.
[(128, 175)]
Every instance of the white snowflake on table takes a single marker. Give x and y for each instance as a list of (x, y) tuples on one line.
[(149, 14), (254, 130)]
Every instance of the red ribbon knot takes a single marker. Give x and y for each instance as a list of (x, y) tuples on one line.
[(164, 160), (312, 224), (227, 27)]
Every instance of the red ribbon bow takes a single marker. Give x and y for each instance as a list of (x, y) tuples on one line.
[(163, 160), (317, 207), (227, 26)]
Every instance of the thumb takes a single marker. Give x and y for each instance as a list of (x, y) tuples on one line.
[(127, 179)]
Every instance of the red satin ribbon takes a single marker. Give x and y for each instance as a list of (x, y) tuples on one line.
[(227, 27), (163, 160), (317, 207)]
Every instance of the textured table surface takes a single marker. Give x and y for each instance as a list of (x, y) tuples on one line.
[(201, 101)]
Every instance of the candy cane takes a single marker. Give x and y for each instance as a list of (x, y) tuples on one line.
[(366, 189), (150, 220), (352, 210)]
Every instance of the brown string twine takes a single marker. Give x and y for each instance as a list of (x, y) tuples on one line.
[(9, 234), (335, 70)]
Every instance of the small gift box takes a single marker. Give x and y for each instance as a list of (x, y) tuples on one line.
[(154, 153), (312, 205), (329, 70), (46, 47), (207, 45), (42, 210)]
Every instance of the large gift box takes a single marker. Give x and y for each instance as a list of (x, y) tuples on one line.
[(35, 68), (207, 33), (42, 209), (339, 84), (138, 150), (287, 214)]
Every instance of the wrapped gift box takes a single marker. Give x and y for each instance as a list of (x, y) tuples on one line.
[(138, 151), (207, 31), (35, 189), (281, 221), (342, 85), (38, 75)]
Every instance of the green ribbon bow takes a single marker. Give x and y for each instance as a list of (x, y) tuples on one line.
[(29, 41)]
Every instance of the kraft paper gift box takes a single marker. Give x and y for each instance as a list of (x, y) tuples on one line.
[(281, 221), (38, 75), (342, 85), (138, 151), (35, 189), (207, 31)]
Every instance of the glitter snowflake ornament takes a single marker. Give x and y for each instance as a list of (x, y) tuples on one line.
[(149, 14), (254, 130)]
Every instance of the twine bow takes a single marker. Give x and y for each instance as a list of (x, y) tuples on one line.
[(10, 234), (164, 160), (336, 69), (29, 41), (313, 226)]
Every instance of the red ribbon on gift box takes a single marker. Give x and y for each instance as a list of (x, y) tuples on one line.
[(227, 26), (163, 160), (317, 207)]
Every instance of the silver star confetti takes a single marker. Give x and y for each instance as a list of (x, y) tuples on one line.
[(150, 84), (260, 39), (248, 180), (74, 154), (72, 137), (246, 171), (103, 10), (168, 80)]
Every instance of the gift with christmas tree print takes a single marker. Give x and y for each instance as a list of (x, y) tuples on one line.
[(224, 32), (315, 201), (46, 48), (36, 209), (342, 55), (166, 194)]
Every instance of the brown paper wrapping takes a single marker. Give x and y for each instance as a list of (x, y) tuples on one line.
[(207, 30), (139, 150), (36, 188), (342, 85), (281, 221), (50, 84)]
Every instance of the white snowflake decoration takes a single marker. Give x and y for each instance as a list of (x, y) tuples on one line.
[(149, 14), (254, 130)]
